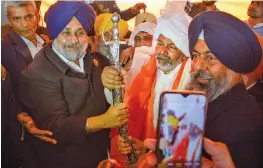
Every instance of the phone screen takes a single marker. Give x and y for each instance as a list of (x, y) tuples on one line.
[(180, 128)]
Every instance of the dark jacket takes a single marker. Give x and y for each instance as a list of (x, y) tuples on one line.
[(9, 127), (60, 100), (257, 92), (15, 57), (235, 119)]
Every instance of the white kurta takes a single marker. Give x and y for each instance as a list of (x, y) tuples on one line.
[(165, 82)]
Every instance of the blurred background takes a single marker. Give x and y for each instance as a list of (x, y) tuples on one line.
[(234, 7)]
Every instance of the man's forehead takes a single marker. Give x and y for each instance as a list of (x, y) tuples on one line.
[(143, 33), (74, 24), (21, 10), (163, 38), (201, 46)]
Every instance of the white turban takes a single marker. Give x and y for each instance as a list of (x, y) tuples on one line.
[(173, 7), (144, 17), (176, 29), (143, 27), (173, 24)]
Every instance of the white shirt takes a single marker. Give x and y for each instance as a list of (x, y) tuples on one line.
[(32, 48), (165, 82), (72, 64)]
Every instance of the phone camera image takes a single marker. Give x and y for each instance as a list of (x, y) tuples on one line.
[(181, 127)]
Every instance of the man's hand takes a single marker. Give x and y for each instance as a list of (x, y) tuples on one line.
[(139, 6), (109, 163), (113, 79), (3, 73), (116, 116), (220, 155), (125, 148), (29, 124), (126, 55)]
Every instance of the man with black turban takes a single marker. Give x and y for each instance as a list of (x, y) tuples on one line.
[(63, 92), (222, 48)]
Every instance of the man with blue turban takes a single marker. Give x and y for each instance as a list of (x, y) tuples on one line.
[(223, 48), (63, 93)]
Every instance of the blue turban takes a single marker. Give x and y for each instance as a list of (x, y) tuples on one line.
[(61, 13), (229, 39)]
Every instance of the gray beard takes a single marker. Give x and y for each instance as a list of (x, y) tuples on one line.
[(166, 66), (214, 88), (79, 52)]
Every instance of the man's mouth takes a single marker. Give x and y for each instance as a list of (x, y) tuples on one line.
[(161, 59), (25, 31), (203, 79)]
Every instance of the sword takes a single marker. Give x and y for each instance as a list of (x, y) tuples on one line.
[(117, 93)]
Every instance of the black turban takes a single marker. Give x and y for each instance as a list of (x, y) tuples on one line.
[(229, 39)]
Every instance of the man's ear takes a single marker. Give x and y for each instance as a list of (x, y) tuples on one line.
[(38, 16)]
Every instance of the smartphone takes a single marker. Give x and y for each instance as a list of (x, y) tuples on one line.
[(180, 128)]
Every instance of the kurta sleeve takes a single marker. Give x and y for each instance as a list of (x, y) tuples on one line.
[(46, 104)]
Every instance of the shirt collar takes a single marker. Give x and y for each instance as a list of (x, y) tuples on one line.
[(256, 26), (38, 39)]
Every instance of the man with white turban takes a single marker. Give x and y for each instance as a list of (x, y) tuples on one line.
[(141, 38), (141, 50), (167, 69)]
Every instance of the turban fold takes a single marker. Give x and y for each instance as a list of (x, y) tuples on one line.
[(103, 19), (143, 27), (61, 13), (229, 39)]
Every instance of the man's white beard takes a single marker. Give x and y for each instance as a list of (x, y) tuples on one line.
[(79, 52), (166, 66), (214, 88)]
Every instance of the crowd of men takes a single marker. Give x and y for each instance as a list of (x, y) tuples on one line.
[(57, 82)]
